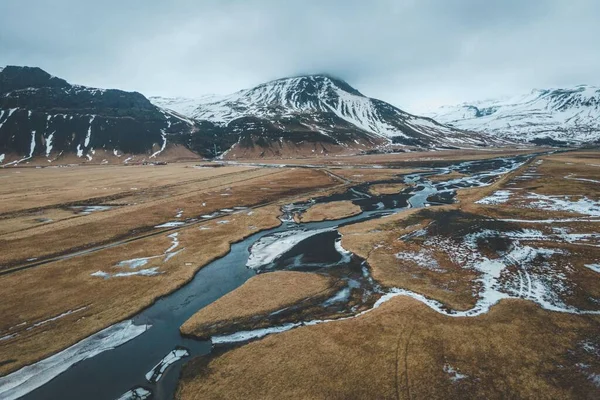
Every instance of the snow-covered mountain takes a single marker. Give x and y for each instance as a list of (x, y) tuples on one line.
[(320, 108), (569, 115)]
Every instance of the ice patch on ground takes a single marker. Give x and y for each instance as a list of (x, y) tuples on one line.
[(593, 267), (135, 263), (171, 224), (175, 242), (28, 378), (338, 247), (243, 336), (85, 210), (268, 248), (138, 393), (175, 355), (340, 297), (142, 272)]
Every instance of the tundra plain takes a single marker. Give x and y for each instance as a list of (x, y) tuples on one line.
[(86, 247)]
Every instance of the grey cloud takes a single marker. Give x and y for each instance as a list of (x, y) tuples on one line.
[(414, 54)]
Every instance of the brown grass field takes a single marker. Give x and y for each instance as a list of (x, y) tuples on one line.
[(260, 295), (330, 211), (41, 292), (403, 349), (426, 158), (406, 350), (386, 188)]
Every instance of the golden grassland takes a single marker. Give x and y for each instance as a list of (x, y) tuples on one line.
[(371, 174), (386, 188), (330, 211), (424, 158), (42, 292), (406, 350), (157, 205), (259, 296)]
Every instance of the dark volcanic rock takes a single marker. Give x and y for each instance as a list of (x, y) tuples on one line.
[(44, 115)]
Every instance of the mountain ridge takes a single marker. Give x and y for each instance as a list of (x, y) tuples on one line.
[(43, 115), (324, 106), (570, 115)]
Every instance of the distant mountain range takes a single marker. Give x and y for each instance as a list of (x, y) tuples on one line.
[(549, 116), (319, 113), (45, 117)]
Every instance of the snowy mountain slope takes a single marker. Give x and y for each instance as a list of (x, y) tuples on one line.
[(569, 115), (325, 106), (45, 116)]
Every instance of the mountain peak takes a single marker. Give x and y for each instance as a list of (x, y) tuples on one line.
[(319, 81), (14, 77)]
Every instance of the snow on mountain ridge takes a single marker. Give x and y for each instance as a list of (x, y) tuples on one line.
[(312, 95), (566, 114)]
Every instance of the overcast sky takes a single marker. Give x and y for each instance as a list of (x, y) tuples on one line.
[(415, 54)]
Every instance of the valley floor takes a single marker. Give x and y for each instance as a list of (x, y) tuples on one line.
[(496, 295)]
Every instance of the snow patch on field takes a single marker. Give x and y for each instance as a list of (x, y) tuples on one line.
[(423, 258), (174, 242), (135, 263), (28, 378), (171, 224), (454, 374), (498, 197), (86, 142), (85, 210), (583, 206)]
